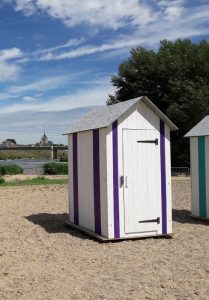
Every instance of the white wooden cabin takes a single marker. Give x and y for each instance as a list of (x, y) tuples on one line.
[(120, 171), (199, 164)]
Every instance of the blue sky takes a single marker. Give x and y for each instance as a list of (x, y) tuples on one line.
[(57, 56)]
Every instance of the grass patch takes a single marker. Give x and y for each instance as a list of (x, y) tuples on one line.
[(63, 158), (56, 168), (28, 154), (10, 170), (2, 180), (24, 154), (34, 181)]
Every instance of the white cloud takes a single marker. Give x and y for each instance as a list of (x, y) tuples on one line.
[(106, 13), (70, 43), (9, 69), (8, 54), (30, 128), (173, 12), (80, 98), (29, 98), (88, 50), (166, 23), (37, 86), (42, 85), (35, 90), (26, 6)]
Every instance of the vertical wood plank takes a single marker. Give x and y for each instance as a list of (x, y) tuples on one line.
[(75, 179), (163, 177), (194, 175), (115, 180), (110, 202), (168, 179), (96, 168), (85, 180), (103, 181), (207, 173), (202, 180), (70, 178)]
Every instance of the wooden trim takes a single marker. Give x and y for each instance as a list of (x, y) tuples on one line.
[(96, 170), (163, 177), (202, 179), (115, 180), (75, 178), (104, 239)]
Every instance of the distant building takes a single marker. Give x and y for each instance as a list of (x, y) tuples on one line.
[(7, 144), (44, 141)]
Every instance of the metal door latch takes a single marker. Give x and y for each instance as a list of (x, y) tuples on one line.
[(149, 141), (151, 221), (121, 181)]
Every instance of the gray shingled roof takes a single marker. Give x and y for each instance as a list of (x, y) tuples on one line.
[(106, 115), (201, 129)]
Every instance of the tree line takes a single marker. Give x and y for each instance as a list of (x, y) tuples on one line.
[(176, 79)]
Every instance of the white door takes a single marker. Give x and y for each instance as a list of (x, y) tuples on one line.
[(140, 156)]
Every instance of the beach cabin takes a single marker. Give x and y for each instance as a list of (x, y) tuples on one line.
[(199, 163), (120, 171)]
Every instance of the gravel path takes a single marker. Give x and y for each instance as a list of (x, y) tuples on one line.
[(41, 259)]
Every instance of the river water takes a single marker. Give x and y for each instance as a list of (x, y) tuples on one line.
[(29, 166)]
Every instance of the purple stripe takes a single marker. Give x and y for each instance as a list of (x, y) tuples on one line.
[(115, 179), (75, 178), (163, 177), (96, 169)]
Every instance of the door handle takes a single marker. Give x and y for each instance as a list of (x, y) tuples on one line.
[(126, 182), (121, 181)]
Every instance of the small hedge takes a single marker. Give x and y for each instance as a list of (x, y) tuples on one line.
[(10, 170), (63, 159), (2, 180), (56, 168)]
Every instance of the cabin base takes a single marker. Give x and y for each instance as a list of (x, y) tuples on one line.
[(104, 239), (202, 219)]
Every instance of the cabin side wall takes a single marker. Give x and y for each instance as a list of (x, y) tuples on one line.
[(199, 152), (140, 117), (88, 180), (194, 175)]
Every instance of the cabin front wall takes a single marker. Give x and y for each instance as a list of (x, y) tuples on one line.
[(140, 117), (88, 180), (199, 153)]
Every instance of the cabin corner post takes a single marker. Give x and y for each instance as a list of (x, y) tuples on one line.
[(115, 180), (75, 179), (96, 178), (163, 177)]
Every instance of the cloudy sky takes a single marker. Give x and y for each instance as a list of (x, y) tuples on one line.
[(57, 56)]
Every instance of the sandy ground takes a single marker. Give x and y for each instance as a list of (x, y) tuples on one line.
[(41, 259), (24, 177)]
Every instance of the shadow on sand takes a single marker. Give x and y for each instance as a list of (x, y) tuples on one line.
[(184, 216), (54, 223)]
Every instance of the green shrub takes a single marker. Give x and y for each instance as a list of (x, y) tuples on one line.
[(56, 168), (2, 180), (64, 158), (10, 170)]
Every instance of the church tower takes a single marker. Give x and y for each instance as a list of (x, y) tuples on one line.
[(44, 140)]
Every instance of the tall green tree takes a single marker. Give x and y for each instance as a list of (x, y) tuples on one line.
[(176, 79)]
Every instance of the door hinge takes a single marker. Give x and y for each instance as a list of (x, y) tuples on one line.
[(151, 221), (149, 141)]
